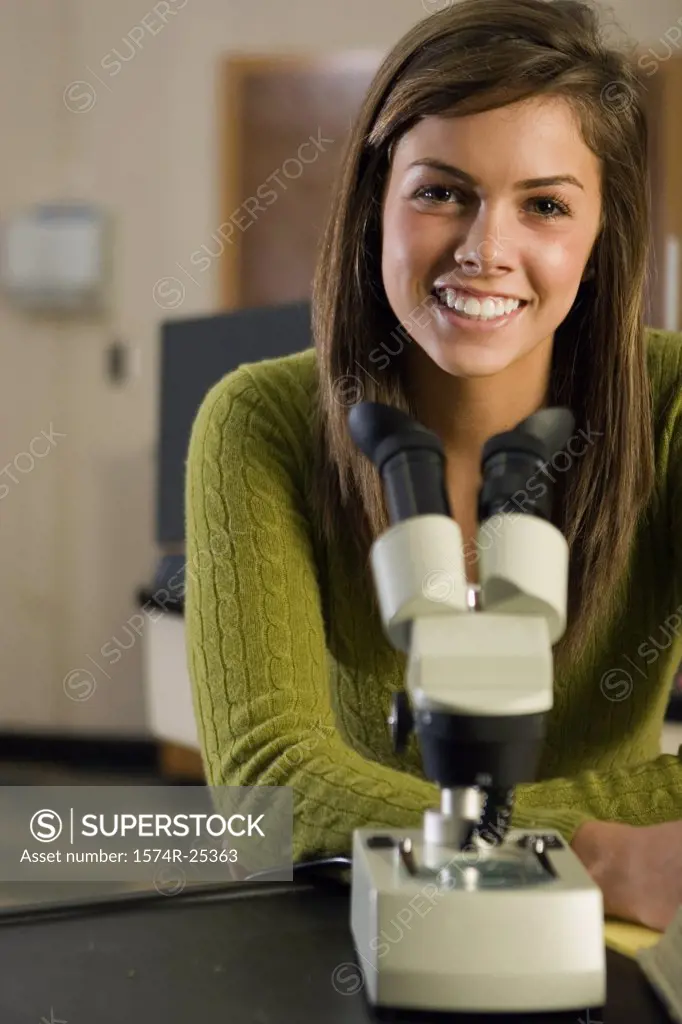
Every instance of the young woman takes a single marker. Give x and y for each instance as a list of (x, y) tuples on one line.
[(485, 256)]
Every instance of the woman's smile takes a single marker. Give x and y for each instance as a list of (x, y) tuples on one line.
[(470, 313)]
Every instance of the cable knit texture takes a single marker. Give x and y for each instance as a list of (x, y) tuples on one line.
[(292, 675)]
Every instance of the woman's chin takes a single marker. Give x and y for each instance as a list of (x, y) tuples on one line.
[(462, 358)]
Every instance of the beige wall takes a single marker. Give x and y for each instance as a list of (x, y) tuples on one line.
[(77, 531), (31, 378)]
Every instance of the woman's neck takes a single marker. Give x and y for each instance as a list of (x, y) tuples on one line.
[(466, 411)]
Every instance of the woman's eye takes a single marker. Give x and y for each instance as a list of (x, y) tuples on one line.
[(434, 193), (559, 209)]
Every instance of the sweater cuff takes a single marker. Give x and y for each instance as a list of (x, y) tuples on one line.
[(565, 821)]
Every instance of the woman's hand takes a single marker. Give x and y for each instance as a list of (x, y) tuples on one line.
[(638, 869)]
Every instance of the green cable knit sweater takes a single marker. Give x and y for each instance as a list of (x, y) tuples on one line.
[(292, 676)]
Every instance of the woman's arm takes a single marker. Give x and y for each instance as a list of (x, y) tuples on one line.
[(255, 632), (646, 794)]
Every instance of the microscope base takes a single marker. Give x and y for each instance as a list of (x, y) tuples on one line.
[(426, 944)]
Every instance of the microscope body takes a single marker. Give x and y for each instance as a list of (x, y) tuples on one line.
[(442, 918)]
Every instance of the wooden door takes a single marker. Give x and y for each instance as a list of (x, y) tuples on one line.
[(286, 121), (663, 83)]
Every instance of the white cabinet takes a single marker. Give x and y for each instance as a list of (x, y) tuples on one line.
[(167, 684)]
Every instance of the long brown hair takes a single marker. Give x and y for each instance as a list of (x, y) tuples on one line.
[(475, 56)]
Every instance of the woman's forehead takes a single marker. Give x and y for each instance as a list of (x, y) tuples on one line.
[(539, 138)]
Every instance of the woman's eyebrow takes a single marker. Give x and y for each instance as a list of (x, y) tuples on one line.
[(456, 172)]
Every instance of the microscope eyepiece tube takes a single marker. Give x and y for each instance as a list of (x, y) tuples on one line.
[(514, 482), (513, 464), (410, 459), (413, 484)]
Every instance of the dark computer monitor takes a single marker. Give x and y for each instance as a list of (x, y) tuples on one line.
[(195, 355)]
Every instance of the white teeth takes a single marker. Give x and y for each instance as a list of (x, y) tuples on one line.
[(488, 308)]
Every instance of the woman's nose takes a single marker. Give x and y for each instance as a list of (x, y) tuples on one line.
[(485, 246)]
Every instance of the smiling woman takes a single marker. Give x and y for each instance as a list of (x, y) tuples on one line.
[(492, 213)]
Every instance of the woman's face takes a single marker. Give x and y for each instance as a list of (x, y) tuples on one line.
[(464, 186)]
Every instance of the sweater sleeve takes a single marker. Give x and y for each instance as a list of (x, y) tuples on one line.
[(645, 794), (255, 632)]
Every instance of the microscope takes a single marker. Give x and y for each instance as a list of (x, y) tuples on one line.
[(467, 914)]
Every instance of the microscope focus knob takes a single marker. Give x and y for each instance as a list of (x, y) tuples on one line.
[(401, 721)]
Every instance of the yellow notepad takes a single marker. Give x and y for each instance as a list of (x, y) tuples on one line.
[(628, 938)]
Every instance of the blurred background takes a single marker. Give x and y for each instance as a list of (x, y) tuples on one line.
[(165, 173)]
